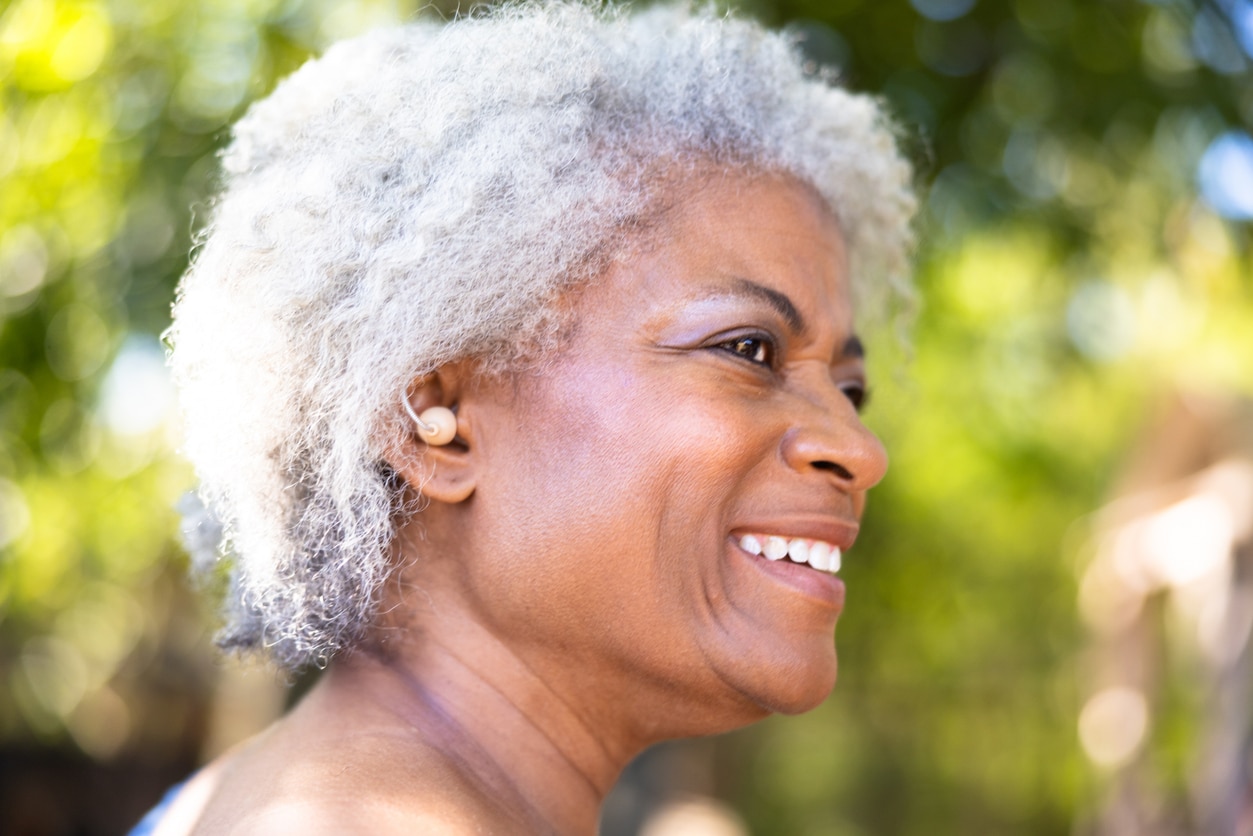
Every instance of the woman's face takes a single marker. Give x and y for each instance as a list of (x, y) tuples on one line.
[(708, 392)]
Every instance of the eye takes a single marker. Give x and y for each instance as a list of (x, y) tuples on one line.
[(857, 394), (755, 348)]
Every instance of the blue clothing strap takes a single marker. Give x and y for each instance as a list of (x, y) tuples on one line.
[(149, 822)]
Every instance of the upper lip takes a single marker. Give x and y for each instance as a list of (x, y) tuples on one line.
[(837, 532)]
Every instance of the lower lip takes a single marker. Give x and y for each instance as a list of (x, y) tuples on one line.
[(823, 587)]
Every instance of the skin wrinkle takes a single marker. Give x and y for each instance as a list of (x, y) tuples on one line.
[(570, 708), (553, 741), (453, 738), (711, 591)]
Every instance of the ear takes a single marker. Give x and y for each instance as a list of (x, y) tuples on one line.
[(443, 473)]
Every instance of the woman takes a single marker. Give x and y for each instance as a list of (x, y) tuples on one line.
[(519, 364)]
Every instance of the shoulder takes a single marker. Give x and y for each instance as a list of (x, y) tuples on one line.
[(366, 817), (360, 787)]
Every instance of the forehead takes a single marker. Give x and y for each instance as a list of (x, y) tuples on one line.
[(766, 196), (718, 231)]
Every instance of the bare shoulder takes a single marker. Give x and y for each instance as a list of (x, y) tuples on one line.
[(370, 783), (366, 817)]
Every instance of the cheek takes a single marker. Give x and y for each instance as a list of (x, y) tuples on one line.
[(645, 432), (612, 508)]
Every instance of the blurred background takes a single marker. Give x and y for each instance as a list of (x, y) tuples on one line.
[(1050, 608)]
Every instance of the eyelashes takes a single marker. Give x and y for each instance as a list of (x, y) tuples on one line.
[(857, 394), (759, 349), (762, 350)]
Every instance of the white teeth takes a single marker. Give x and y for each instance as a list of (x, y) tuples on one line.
[(776, 548), (798, 551), (819, 556)]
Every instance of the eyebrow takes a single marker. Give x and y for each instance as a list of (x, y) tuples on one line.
[(775, 299), (853, 346)]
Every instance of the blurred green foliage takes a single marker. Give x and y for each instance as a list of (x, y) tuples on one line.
[(1070, 274)]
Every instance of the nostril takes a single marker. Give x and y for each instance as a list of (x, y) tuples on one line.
[(836, 468)]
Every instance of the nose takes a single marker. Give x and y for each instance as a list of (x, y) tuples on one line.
[(827, 436)]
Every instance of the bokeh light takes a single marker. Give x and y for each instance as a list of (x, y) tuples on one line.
[(1226, 175)]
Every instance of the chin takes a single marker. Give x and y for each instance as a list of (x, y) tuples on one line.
[(808, 697), (797, 687)]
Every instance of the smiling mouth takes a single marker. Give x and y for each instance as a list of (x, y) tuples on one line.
[(819, 554)]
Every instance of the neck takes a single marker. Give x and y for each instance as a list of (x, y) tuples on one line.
[(497, 720)]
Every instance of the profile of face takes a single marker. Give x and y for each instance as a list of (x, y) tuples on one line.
[(594, 511)]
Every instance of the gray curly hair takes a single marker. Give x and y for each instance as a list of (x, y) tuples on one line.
[(421, 195)]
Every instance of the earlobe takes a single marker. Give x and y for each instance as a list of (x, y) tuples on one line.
[(447, 484), (433, 448)]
